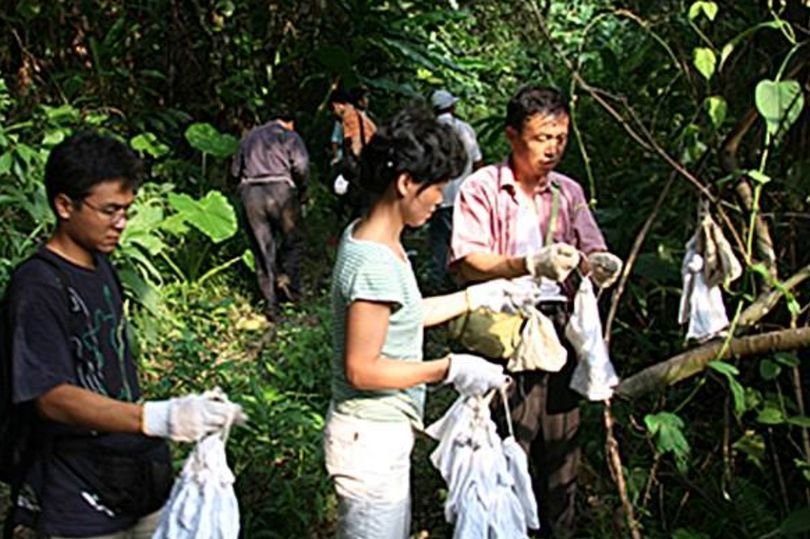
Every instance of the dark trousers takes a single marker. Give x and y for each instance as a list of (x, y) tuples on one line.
[(545, 417), (440, 227), (272, 211)]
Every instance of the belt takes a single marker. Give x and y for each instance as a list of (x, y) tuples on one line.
[(268, 179)]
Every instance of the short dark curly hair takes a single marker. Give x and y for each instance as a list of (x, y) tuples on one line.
[(534, 99), (413, 141), (86, 159)]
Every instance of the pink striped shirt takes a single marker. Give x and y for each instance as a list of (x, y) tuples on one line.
[(486, 212)]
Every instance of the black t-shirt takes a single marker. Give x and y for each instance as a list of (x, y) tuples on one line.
[(77, 338)]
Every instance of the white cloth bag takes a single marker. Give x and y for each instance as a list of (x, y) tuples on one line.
[(489, 487), (202, 504), (701, 305), (539, 346), (594, 376), (708, 264)]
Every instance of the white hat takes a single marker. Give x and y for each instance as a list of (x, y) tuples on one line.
[(442, 99)]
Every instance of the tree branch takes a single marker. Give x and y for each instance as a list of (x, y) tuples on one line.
[(768, 299), (691, 362)]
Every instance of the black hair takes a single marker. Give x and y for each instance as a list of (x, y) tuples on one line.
[(285, 114), (339, 95), (357, 94), (533, 99), (86, 159), (413, 141)]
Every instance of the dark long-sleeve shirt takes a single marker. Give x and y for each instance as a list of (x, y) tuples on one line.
[(272, 152)]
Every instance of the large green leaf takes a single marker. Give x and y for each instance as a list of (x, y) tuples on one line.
[(212, 215), (779, 103), (205, 138)]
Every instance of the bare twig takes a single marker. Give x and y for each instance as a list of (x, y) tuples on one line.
[(617, 471), (640, 133), (631, 258)]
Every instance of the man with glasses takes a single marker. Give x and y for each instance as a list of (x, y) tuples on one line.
[(94, 462)]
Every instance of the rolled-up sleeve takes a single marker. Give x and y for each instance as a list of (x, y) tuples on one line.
[(473, 215), (588, 236)]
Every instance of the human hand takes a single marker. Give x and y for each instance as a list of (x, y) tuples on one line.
[(555, 261), (472, 375), (189, 418), (605, 268)]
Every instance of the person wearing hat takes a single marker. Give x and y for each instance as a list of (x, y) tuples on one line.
[(444, 105)]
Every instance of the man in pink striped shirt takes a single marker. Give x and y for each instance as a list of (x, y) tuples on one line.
[(518, 218)]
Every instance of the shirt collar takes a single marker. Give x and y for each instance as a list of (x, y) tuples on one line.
[(506, 178)]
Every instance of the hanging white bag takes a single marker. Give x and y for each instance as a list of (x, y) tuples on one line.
[(202, 504), (701, 305), (517, 464), (594, 376), (489, 487)]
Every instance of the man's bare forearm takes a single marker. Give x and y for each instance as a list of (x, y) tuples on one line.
[(73, 405), (485, 266)]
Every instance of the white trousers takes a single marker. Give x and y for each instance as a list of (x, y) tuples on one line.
[(370, 462)]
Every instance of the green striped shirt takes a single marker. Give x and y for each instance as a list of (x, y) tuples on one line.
[(370, 271)]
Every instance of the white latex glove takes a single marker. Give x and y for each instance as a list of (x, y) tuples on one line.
[(501, 295), (474, 376), (554, 261), (189, 418), (605, 268), (341, 185)]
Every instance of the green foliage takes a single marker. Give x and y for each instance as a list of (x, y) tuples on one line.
[(205, 138), (182, 84), (212, 215), (705, 61), (667, 430), (206, 337), (796, 522), (730, 372), (148, 143), (780, 103)]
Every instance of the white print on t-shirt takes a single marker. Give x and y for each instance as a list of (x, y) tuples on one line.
[(94, 502)]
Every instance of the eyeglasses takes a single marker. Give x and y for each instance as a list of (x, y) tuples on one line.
[(112, 212)]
